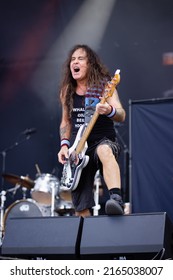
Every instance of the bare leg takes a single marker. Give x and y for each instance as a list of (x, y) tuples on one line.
[(111, 171)]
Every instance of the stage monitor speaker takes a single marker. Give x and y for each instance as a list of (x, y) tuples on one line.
[(43, 237), (143, 236)]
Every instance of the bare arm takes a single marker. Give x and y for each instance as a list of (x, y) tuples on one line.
[(65, 132), (65, 125)]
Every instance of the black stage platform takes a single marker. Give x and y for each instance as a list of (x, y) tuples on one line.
[(134, 236)]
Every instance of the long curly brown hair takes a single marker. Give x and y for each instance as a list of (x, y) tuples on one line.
[(97, 72)]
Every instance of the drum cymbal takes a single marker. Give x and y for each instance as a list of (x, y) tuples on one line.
[(20, 180)]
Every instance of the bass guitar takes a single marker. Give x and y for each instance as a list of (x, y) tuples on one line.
[(72, 170)]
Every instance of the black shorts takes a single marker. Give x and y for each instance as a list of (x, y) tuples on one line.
[(83, 196)]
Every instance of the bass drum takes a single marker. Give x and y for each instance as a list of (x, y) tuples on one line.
[(21, 209)]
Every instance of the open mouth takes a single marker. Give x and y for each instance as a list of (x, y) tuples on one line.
[(76, 69)]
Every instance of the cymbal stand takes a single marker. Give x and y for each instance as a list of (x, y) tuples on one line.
[(3, 199), (24, 190), (97, 183), (53, 201)]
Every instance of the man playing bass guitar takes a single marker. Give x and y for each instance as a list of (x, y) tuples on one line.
[(90, 105)]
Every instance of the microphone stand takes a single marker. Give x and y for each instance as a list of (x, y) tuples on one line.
[(125, 161), (4, 153), (2, 191)]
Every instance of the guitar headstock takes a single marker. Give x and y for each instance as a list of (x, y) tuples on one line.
[(111, 85)]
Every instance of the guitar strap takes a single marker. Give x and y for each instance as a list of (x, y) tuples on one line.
[(91, 99)]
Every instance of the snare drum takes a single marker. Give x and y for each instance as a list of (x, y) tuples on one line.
[(21, 209), (44, 186)]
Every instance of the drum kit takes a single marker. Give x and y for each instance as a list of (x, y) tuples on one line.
[(46, 198)]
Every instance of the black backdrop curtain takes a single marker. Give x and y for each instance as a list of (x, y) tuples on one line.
[(151, 156)]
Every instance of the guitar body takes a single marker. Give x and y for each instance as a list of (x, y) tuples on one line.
[(72, 172)]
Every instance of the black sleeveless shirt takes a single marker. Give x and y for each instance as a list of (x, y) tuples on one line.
[(83, 109)]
